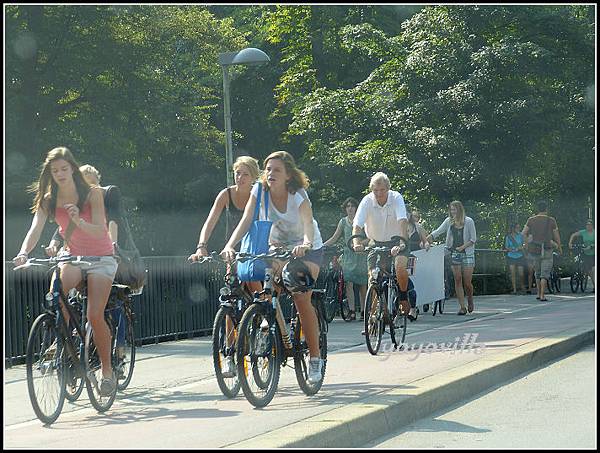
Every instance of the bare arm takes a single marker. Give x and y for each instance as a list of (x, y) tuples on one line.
[(356, 230), (97, 228), (306, 217), (573, 236), (32, 237), (333, 239), (209, 226), (113, 231)]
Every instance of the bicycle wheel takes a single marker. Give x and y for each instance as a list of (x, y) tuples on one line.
[(331, 298), (302, 354), (574, 282), (258, 356), (126, 352), (583, 282), (94, 370), (75, 381), (373, 320), (223, 347), (45, 369)]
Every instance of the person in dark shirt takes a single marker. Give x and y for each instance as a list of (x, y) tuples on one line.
[(542, 237)]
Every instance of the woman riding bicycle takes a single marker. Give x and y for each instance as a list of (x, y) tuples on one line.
[(293, 227), (354, 265), (62, 194)]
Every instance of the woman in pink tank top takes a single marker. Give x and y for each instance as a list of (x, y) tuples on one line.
[(63, 194)]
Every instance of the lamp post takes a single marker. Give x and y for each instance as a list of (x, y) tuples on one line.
[(249, 57)]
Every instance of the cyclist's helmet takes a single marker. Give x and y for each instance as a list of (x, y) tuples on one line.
[(296, 276)]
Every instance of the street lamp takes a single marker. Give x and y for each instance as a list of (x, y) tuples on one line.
[(249, 57)]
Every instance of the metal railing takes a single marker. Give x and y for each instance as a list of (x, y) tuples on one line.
[(178, 301)]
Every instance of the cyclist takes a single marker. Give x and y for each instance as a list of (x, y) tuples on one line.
[(114, 217), (544, 238), (293, 227), (354, 265), (381, 215), (460, 239), (62, 194), (233, 200), (589, 255)]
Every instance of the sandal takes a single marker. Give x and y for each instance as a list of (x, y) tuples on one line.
[(462, 311), (352, 315), (544, 300), (470, 306)]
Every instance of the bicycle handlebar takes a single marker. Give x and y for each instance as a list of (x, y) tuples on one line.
[(55, 260), (375, 248), (281, 254)]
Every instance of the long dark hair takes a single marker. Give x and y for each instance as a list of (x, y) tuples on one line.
[(298, 180), (45, 187)]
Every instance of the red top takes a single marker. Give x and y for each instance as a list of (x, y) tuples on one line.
[(80, 242)]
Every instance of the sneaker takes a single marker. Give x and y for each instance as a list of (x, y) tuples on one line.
[(107, 386), (314, 370), (228, 369)]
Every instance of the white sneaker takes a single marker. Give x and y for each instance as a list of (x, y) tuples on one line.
[(315, 366), (228, 369)]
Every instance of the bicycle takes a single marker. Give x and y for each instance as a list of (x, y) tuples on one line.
[(381, 302), (233, 300), (579, 278), (265, 341), (554, 284), (335, 290), (57, 353)]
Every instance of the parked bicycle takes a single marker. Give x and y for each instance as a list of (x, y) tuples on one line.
[(58, 354), (265, 341), (381, 303), (233, 299), (579, 278), (554, 285), (335, 289)]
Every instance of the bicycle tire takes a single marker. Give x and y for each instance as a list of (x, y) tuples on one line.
[(230, 387), (574, 282), (331, 299), (374, 323), (583, 283), (74, 384), (126, 364), (302, 354), (94, 370), (49, 364), (249, 344)]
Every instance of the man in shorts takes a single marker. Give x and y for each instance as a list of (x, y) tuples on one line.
[(381, 215)]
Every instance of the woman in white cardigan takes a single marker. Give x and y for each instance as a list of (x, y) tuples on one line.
[(460, 240)]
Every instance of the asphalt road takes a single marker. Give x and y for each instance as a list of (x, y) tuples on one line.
[(554, 407)]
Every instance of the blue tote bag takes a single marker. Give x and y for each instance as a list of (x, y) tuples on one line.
[(256, 241)]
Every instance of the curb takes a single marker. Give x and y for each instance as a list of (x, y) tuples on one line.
[(366, 420)]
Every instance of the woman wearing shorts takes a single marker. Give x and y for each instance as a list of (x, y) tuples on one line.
[(63, 194), (460, 240)]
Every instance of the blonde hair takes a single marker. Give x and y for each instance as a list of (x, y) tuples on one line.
[(87, 169), (379, 178), (45, 187), (460, 212), (298, 179), (250, 163)]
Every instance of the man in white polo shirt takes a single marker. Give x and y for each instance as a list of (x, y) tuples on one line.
[(381, 215)]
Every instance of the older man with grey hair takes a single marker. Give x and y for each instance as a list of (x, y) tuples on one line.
[(381, 215)]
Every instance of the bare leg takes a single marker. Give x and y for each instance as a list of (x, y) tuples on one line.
[(308, 315), (458, 286), (98, 291), (350, 295), (513, 277)]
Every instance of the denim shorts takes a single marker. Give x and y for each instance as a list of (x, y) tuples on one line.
[(462, 259), (107, 266)]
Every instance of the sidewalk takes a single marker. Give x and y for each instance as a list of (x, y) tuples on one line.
[(174, 400)]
